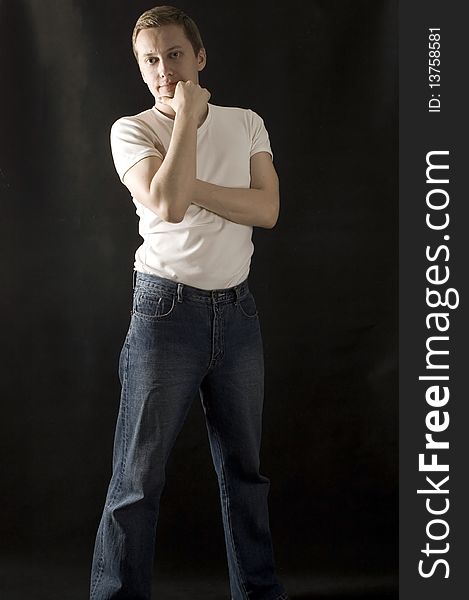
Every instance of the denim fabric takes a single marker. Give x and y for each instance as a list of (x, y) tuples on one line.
[(183, 340)]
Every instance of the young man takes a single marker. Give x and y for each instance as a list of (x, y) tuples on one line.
[(201, 176)]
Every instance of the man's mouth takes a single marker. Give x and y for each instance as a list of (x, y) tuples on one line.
[(166, 87)]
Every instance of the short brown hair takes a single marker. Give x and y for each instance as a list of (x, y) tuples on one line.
[(168, 15)]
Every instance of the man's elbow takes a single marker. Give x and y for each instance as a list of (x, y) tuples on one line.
[(165, 212), (272, 213), (168, 206), (270, 223), (171, 216)]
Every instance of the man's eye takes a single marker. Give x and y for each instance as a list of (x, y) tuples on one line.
[(175, 54), (151, 60)]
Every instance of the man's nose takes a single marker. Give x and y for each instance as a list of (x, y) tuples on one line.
[(165, 69)]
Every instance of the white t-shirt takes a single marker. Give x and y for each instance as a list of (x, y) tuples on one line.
[(204, 250)]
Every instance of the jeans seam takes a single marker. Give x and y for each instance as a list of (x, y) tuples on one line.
[(99, 574), (243, 312), (218, 337), (228, 513), (124, 432), (122, 469), (152, 318), (121, 472)]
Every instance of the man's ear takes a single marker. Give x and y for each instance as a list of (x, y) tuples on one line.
[(201, 59)]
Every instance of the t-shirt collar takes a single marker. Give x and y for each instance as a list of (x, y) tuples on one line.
[(167, 119)]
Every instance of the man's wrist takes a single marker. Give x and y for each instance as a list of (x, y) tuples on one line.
[(186, 117)]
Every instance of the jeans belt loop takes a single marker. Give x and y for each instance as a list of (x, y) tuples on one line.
[(180, 286)]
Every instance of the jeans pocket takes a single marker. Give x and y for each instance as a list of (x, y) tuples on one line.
[(153, 305), (247, 306)]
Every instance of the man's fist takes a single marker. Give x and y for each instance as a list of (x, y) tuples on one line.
[(188, 97)]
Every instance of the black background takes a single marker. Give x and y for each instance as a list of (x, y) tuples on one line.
[(323, 75)]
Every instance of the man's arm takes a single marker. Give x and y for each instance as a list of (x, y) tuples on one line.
[(166, 186), (256, 206)]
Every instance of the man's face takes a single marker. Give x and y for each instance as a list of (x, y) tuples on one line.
[(166, 56)]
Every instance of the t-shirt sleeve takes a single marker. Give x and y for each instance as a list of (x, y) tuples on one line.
[(259, 137), (131, 141)]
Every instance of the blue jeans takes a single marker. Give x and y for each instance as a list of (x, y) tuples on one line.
[(183, 340)]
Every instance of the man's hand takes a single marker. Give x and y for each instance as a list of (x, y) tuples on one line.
[(189, 98)]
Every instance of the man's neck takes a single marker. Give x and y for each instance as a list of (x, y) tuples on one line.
[(169, 112)]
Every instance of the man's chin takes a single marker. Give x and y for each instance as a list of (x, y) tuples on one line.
[(163, 106), (159, 98)]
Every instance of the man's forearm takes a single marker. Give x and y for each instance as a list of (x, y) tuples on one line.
[(174, 181), (246, 206)]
